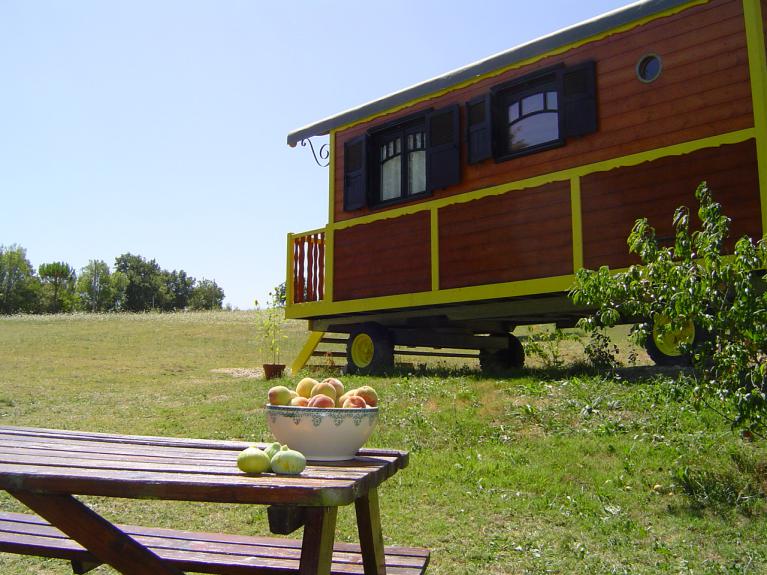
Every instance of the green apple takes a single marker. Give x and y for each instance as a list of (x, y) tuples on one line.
[(253, 460), (288, 461)]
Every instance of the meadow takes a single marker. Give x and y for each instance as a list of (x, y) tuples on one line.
[(544, 470)]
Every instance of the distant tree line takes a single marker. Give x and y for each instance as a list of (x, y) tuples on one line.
[(135, 284)]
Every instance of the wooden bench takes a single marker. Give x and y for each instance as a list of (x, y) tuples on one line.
[(27, 534)]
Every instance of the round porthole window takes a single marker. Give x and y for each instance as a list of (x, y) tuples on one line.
[(649, 68)]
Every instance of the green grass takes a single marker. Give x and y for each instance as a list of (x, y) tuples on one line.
[(538, 472)]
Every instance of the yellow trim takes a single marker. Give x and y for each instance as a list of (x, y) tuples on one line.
[(563, 175), (306, 352), (512, 289), (331, 177), (757, 66), (577, 224), (455, 295), (434, 249), (526, 62)]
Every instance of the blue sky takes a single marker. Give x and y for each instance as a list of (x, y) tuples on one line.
[(158, 127)]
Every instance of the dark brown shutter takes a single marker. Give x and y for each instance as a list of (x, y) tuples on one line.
[(479, 129), (355, 174), (443, 150), (579, 100)]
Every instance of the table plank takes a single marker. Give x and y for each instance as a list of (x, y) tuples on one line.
[(99, 536), (263, 489), (183, 442)]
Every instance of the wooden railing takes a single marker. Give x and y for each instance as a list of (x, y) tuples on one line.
[(308, 267)]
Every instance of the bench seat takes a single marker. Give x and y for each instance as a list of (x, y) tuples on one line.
[(197, 552)]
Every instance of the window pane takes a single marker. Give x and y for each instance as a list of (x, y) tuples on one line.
[(416, 167), (514, 112), (551, 100), (391, 178), (532, 104), (415, 141), (383, 152), (397, 146), (534, 130)]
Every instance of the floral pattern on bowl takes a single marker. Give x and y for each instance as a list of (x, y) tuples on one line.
[(322, 434)]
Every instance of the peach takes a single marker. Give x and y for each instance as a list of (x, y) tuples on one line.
[(280, 395), (325, 388), (354, 401), (368, 394), (335, 383), (321, 401), (305, 386), (299, 401), (346, 396)]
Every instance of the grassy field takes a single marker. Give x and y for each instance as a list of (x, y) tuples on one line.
[(537, 472)]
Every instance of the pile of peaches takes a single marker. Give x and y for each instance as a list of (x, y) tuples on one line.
[(326, 393)]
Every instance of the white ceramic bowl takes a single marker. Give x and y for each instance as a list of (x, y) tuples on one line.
[(322, 433)]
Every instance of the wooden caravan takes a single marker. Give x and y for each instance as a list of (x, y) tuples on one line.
[(461, 207)]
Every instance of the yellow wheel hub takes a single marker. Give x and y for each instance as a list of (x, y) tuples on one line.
[(362, 350), (669, 342)]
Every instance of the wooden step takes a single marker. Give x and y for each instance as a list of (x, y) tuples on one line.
[(28, 534)]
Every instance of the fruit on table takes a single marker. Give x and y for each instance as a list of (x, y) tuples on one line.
[(253, 460), (305, 386), (325, 388), (280, 395), (288, 461), (272, 449), (354, 401), (321, 401), (368, 394)]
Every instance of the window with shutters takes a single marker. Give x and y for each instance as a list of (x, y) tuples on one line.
[(403, 160), (534, 113), (400, 162)]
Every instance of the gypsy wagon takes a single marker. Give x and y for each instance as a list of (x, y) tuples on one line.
[(461, 207)]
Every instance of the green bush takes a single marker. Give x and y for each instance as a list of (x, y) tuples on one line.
[(695, 281)]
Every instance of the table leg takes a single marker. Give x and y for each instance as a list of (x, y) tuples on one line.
[(371, 536), (95, 533), (317, 545)]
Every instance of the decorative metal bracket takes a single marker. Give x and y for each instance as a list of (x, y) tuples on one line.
[(322, 156)]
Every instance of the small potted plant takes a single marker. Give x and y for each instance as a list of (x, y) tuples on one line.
[(270, 334)]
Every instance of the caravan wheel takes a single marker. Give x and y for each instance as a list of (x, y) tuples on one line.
[(369, 350)]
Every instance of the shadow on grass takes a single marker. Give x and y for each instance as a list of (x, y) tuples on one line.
[(627, 374), (740, 486)]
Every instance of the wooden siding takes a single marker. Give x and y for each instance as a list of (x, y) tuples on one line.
[(515, 236), (386, 257), (613, 201), (703, 91)]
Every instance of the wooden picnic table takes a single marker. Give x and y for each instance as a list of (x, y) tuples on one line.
[(45, 469)]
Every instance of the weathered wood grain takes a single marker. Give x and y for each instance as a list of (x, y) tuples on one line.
[(514, 236), (612, 201)]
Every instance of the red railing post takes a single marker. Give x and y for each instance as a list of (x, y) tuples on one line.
[(308, 268)]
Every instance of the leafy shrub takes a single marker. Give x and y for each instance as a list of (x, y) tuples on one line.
[(601, 352), (694, 281), (545, 345)]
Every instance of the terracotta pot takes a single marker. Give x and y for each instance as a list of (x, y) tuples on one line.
[(273, 370)]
